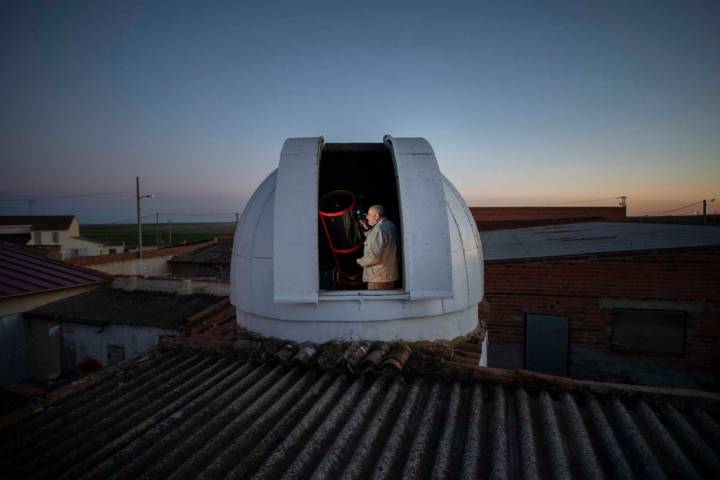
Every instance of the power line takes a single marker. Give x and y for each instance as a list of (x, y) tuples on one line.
[(62, 197), (589, 201), (675, 209), (196, 214)]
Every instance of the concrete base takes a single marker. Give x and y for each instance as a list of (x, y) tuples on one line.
[(439, 327)]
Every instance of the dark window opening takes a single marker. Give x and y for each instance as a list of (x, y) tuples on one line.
[(546, 344), (352, 178), (115, 354), (654, 332)]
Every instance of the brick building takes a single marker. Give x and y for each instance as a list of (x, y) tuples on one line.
[(497, 218), (623, 302)]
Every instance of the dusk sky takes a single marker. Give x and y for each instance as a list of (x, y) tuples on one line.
[(525, 103)]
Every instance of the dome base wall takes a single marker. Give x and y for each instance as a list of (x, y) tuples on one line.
[(437, 327)]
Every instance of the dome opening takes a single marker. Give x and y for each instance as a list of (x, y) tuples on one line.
[(352, 178)]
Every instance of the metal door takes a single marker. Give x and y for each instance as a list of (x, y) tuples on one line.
[(546, 344)]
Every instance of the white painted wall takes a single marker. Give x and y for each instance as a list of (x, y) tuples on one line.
[(146, 266), (184, 286), (92, 341)]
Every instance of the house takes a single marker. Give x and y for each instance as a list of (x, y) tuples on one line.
[(61, 231), (271, 409), (28, 280), (209, 261), (109, 325), (625, 302)]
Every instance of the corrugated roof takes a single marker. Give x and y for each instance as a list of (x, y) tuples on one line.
[(23, 271), (593, 237), (192, 414), (39, 222), (113, 306), (217, 253)]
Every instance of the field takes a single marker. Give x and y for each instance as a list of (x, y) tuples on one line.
[(154, 235)]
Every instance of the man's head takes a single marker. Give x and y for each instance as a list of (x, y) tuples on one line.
[(375, 213)]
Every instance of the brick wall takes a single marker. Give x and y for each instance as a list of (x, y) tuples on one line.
[(585, 289), (494, 218)]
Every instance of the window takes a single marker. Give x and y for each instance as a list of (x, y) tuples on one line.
[(37, 236), (655, 332), (78, 252), (56, 237), (115, 354), (112, 250)]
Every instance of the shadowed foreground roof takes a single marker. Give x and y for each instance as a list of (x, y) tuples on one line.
[(107, 305), (185, 413)]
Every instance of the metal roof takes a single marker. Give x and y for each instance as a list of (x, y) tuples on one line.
[(39, 222), (196, 414), (23, 272), (593, 237), (113, 306)]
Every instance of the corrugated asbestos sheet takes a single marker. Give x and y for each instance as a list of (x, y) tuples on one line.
[(23, 271), (191, 414)]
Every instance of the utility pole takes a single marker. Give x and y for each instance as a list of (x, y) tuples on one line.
[(623, 201), (170, 231), (237, 218), (157, 229), (705, 203), (139, 221)]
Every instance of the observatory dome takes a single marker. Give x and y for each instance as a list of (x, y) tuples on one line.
[(283, 275)]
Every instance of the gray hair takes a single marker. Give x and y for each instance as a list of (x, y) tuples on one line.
[(379, 209)]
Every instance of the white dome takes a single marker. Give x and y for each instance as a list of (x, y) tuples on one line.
[(275, 286)]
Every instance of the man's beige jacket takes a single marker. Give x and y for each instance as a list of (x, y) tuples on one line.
[(380, 255)]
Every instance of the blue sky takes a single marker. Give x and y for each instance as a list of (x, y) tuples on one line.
[(525, 103)]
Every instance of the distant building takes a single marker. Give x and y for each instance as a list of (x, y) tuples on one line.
[(615, 301), (210, 261), (498, 218), (110, 325), (60, 231), (28, 280)]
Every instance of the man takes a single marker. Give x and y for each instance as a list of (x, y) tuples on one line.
[(380, 259)]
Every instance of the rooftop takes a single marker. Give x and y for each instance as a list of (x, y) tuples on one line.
[(113, 306), (216, 253), (593, 237), (39, 222), (129, 256), (24, 271), (189, 413)]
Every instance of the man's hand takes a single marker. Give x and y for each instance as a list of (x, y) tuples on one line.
[(364, 223)]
